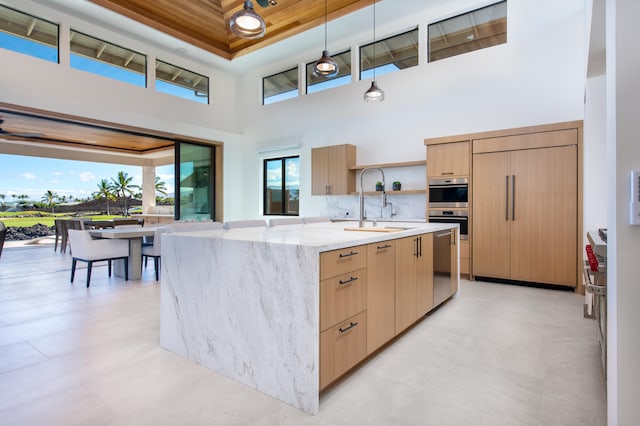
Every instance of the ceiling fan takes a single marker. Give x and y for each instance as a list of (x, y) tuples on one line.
[(265, 3), (19, 135)]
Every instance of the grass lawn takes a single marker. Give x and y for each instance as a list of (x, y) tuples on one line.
[(23, 219)]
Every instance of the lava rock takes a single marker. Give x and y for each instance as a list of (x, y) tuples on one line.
[(20, 233)]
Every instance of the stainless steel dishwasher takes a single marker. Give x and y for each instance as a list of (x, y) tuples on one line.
[(441, 266)]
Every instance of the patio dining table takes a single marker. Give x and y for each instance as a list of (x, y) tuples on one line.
[(134, 235)]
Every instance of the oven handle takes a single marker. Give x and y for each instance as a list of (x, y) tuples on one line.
[(448, 186)]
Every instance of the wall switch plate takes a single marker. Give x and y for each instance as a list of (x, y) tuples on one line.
[(634, 205)]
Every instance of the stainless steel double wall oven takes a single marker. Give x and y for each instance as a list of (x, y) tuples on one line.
[(449, 203)]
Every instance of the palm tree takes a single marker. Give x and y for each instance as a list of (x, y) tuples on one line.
[(105, 190), (122, 187), (161, 187), (3, 197), (49, 199)]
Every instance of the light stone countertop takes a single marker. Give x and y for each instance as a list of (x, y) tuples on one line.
[(322, 236)]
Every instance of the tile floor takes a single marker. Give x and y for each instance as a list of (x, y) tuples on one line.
[(494, 355)]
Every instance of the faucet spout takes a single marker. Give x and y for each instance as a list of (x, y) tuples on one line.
[(361, 193)]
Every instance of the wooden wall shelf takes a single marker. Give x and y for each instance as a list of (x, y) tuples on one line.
[(387, 165), (404, 191)]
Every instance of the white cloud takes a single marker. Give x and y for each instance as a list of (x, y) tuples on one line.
[(54, 181), (57, 173), (87, 176), (28, 175)]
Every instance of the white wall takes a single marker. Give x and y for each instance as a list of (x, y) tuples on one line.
[(623, 150), (536, 78), (595, 156)]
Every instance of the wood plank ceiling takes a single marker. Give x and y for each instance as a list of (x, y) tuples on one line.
[(205, 23)]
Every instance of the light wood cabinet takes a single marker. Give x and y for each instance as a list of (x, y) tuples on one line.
[(342, 297), (525, 209), (414, 279), (342, 347), (343, 320), (331, 170), (338, 262), (448, 159), (380, 293), (464, 257)]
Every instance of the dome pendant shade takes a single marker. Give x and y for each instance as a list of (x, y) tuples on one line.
[(325, 66), (246, 23), (374, 94)]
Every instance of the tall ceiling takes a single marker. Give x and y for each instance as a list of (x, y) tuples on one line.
[(205, 23)]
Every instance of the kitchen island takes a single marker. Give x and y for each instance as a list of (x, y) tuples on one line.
[(247, 302)]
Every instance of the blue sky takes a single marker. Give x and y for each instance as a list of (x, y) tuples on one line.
[(33, 176)]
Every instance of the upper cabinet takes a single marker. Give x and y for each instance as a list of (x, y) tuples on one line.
[(331, 170), (448, 159)]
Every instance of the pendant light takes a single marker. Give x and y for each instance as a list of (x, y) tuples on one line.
[(325, 66), (374, 93), (246, 23)]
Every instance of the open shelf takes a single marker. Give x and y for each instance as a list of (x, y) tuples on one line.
[(404, 191), (402, 164)]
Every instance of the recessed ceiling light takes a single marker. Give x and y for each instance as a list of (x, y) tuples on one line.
[(181, 50), (470, 37)]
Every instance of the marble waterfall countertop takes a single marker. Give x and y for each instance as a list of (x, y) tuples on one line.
[(245, 302)]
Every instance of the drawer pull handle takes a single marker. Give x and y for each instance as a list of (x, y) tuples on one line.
[(351, 325), (351, 253), (386, 246), (350, 280)]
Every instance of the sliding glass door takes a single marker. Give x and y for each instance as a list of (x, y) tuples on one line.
[(195, 183)]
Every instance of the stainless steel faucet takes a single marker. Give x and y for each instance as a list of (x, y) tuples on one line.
[(361, 194)]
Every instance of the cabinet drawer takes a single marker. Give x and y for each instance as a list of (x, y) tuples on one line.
[(338, 262), (342, 297), (342, 347)]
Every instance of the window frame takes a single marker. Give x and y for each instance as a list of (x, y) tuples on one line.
[(296, 90), (109, 64), (283, 182), (195, 91), (450, 18), (384, 68), (32, 42)]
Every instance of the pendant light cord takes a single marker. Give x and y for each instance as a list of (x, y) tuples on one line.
[(374, 40), (325, 24)]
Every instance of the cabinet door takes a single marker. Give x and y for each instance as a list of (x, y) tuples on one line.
[(407, 251), (320, 171), (342, 347), (491, 220), (341, 179), (449, 159), (331, 172), (380, 294), (544, 217)]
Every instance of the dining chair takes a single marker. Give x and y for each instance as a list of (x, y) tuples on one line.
[(153, 250), (233, 224), (59, 234), (286, 221), (86, 249), (3, 235)]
